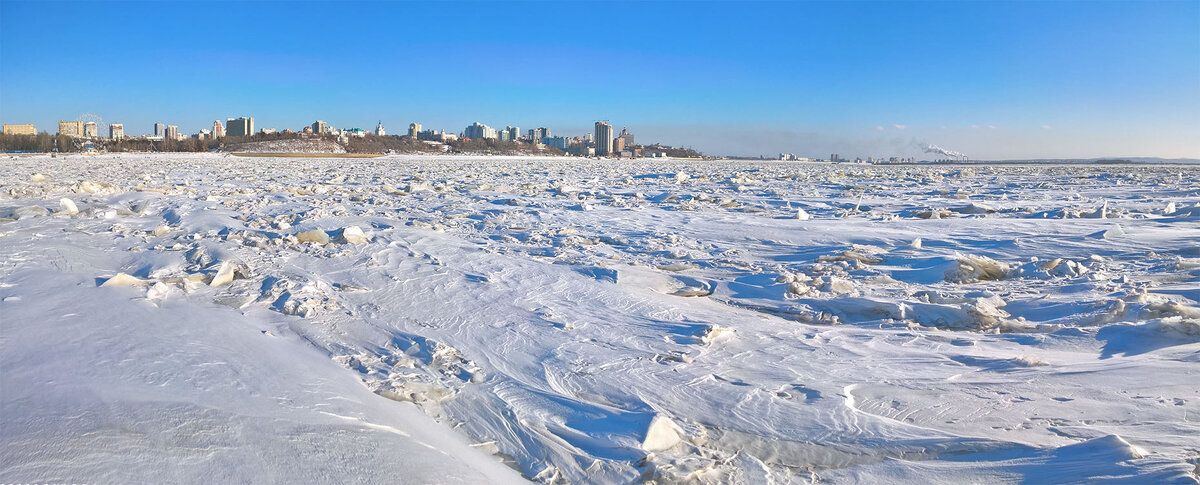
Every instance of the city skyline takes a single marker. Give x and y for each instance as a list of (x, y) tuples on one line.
[(857, 79)]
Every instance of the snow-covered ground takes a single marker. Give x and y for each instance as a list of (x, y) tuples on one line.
[(208, 318)]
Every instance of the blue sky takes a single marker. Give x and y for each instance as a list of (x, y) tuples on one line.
[(991, 79)]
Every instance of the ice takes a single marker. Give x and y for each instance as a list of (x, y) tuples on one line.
[(29, 211), (974, 208), (224, 275), (94, 187), (353, 235), (316, 235), (676, 267), (68, 206), (589, 321), (860, 254), (122, 279), (1111, 232), (935, 214), (972, 268), (662, 435), (714, 334), (1187, 212), (1099, 213), (692, 291), (158, 291)]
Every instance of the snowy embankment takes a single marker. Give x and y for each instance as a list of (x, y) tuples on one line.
[(318, 145), (271, 319)]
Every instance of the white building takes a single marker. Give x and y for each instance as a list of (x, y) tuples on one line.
[(480, 130)]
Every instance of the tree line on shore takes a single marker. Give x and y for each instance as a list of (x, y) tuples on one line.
[(46, 143)]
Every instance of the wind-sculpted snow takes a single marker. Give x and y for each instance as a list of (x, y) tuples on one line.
[(714, 322)]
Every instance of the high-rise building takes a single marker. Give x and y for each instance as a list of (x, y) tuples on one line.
[(91, 130), (320, 127), (558, 142), (480, 130), (218, 130), (172, 132), (159, 129), (239, 127), (618, 144), (379, 131), (513, 133), (70, 128), (604, 138), (20, 130), (116, 131), (414, 130), (539, 135), (628, 137)]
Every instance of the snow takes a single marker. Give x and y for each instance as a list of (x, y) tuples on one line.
[(200, 317)]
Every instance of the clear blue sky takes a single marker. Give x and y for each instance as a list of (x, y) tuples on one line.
[(992, 79)]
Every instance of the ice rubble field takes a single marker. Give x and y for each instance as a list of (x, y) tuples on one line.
[(199, 318)]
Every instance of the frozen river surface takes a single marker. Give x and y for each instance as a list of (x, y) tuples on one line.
[(435, 319)]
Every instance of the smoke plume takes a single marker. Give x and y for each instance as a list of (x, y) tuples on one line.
[(942, 151)]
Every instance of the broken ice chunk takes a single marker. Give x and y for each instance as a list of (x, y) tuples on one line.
[(224, 275), (662, 434), (974, 208), (1100, 213), (28, 211), (353, 235), (714, 333), (798, 289), (122, 279), (316, 235), (839, 286), (692, 291), (935, 214), (973, 268), (158, 291), (676, 267), (68, 206)]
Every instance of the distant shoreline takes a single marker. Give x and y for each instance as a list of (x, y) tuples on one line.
[(1131, 161), (306, 155)]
